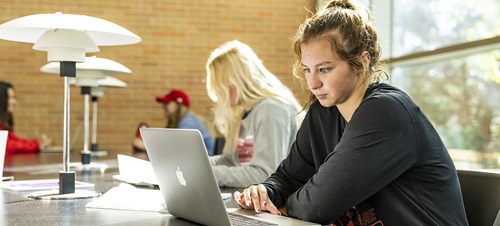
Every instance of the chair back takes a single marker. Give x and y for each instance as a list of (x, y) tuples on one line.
[(481, 194), (219, 145)]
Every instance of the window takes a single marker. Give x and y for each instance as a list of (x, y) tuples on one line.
[(461, 96), (447, 58), (430, 24)]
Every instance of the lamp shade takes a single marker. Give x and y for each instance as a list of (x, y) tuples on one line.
[(111, 82), (91, 71), (30, 28), (104, 84), (98, 91), (66, 37), (69, 45)]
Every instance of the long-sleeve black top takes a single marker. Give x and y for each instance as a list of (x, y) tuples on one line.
[(387, 166)]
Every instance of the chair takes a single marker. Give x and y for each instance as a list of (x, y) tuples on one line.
[(497, 220), (481, 194)]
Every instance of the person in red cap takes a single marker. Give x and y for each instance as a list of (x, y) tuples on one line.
[(15, 144), (176, 107)]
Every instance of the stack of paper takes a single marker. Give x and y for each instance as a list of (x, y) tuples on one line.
[(126, 197)]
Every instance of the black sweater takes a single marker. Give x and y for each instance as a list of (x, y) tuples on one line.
[(387, 166)]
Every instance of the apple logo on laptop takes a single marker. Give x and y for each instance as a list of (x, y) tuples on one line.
[(180, 176)]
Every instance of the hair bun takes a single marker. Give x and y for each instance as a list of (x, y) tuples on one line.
[(346, 4)]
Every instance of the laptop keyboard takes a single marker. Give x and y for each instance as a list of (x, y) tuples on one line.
[(240, 220)]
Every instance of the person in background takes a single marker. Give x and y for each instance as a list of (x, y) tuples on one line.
[(365, 154), (15, 144), (175, 104), (255, 112)]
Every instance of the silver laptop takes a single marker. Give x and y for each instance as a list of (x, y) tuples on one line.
[(182, 168)]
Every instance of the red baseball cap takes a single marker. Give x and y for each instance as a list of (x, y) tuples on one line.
[(174, 95)]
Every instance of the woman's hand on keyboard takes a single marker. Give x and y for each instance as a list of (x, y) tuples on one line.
[(255, 197)]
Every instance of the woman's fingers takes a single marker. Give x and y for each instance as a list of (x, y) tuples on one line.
[(240, 199), (255, 197), (45, 141), (262, 197), (247, 198), (254, 192), (272, 208), (265, 202)]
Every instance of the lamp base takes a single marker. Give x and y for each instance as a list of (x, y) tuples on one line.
[(99, 153), (95, 150), (86, 157), (78, 166), (67, 182)]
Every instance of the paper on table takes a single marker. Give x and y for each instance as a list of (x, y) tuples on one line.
[(135, 171), (127, 197)]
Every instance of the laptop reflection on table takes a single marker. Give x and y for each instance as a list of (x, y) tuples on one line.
[(182, 168)]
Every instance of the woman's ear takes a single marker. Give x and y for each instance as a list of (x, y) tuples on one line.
[(365, 55)]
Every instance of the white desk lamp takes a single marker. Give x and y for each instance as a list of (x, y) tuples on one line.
[(88, 75), (96, 92), (66, 38)]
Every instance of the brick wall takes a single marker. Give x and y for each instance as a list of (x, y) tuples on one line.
[(177, 37)]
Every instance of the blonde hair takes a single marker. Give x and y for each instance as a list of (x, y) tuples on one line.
[(235, 63), (347, 25)]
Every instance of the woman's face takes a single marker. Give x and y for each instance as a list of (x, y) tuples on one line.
[(12, 99), (232, 96), (330, 79), (170, 108)]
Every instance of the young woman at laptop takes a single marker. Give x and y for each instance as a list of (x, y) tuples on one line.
[(15, 144), (365, 153), (257, 114)]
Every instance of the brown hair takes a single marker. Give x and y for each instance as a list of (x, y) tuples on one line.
[(6, 118), (173, 120), (347, 26)]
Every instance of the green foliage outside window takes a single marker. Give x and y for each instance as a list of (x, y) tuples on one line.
[(459, 94)]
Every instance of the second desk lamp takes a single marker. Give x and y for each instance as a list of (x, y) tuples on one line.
[(88, 75)]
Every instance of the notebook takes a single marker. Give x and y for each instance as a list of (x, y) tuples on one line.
[(135, 171), (182, 168)]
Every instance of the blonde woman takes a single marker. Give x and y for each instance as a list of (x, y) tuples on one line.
[(255, 112)]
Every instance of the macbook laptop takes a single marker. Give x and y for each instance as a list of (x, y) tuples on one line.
[(182, 168)]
